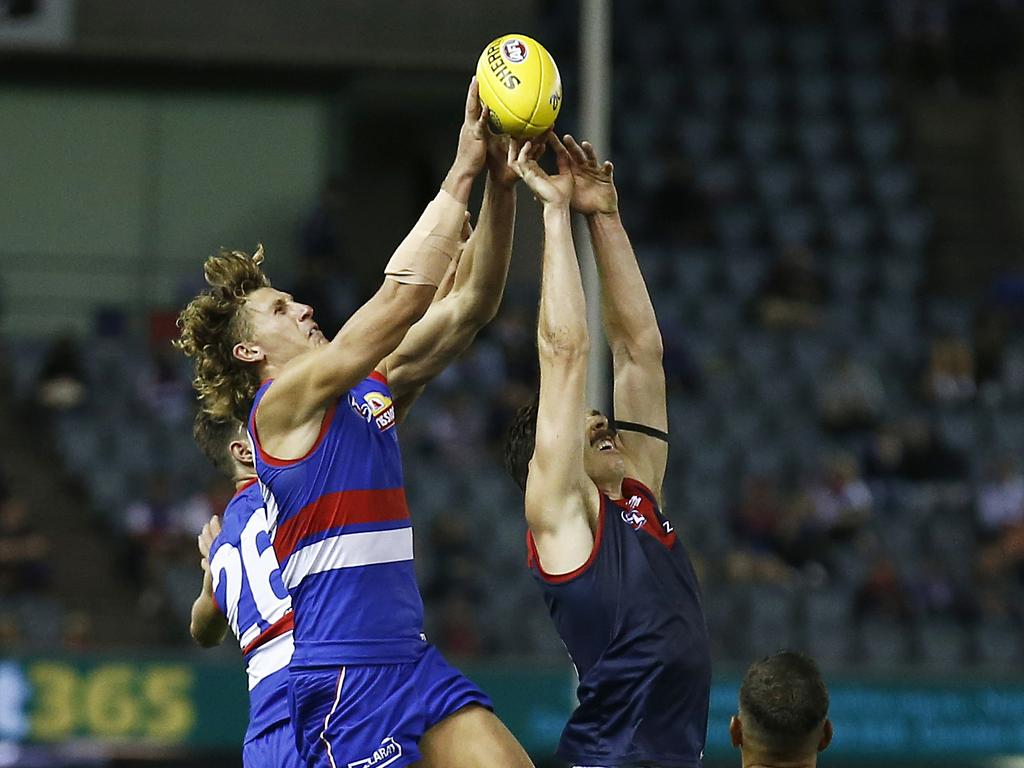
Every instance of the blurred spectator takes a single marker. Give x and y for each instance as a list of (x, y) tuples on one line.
[(320, 285), (458, 633), (455, 561), (883, 457), (62, 380), (323, 281), (189, 516), (935, 592), (678, 211), (990, 331), (793, 294), (842, 501), (323, 231), (164, 388), (926, 455), (11, 632), (761, 535), (950, 374), (23, 551), (78, 632), (882, 594), (1001, 499), (850, 395)]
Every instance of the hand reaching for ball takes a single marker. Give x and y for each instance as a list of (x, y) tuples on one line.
[(594, 190), (472, 151), (551, 190)]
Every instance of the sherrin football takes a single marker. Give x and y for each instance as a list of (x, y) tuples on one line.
[(520, 85)]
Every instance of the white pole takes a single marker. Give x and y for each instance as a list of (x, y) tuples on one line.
[(595, 126)]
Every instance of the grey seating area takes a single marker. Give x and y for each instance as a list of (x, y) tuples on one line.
[(738, 137)]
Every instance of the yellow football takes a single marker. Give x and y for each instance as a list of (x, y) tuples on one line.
[(519, 83)]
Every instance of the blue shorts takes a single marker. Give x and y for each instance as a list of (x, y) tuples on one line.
[(374, 715), (274, 748)]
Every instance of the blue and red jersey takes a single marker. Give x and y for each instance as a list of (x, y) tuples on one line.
[(343, 535), (249, 591), (632, 620)]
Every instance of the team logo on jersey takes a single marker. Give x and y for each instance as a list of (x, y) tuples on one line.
[(376, 407), (515, 50), (388, 752), (632, 516)]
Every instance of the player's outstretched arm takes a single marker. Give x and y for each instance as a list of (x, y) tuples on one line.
[(561, 502), (451, 324), (310, 382), (629, 319), (208, 626)]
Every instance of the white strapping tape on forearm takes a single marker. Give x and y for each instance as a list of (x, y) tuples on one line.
[(424, 255)]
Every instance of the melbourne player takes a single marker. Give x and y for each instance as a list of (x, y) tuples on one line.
[(614, 573), (243, 590), (366, 687), (783, 714)]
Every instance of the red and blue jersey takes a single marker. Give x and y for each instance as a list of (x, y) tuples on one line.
[(632, 620), (249, 591), (343, 535)]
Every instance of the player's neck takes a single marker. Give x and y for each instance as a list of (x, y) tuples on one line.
[(610, 488), (241, 482), (755, 761)]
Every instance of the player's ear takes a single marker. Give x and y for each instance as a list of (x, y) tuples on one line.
[(736, 732), (248, 353), (826, 736), (241, 452)]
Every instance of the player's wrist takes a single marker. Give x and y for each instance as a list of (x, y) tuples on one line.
[(556, 211), (459, 181), (609, 216)]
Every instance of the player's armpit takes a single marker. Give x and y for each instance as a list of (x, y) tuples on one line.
[(563, 530)]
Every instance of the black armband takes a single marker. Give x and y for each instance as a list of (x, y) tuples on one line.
[(643, 429)]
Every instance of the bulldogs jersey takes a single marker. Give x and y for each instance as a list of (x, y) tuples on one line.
[(343, 536), (249, 591), (632, 620)]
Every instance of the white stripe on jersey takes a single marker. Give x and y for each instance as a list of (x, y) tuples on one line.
[(349, 550), (270, 657)]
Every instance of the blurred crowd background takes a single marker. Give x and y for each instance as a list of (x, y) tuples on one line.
[(827, 200)]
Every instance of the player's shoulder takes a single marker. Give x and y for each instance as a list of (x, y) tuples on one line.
[(246, 500)]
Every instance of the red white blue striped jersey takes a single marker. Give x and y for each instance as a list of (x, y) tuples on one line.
[(249, 591), (343, 536)]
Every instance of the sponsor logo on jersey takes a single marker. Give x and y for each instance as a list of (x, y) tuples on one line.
[(388, 752), (377, 408), (632, 514)]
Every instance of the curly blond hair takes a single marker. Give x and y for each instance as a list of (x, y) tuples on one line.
[(211, 325)]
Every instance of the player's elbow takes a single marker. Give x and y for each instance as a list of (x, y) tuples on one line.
[(203, 636), (404, 304), (564, 342), (478, 309), (645, 348)]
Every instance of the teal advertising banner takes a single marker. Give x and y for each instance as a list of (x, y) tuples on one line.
[(187, 701)]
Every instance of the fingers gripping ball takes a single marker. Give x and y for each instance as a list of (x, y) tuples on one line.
[(519, 83)]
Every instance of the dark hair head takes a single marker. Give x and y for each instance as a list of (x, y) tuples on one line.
[(520, 441), (785, 700), (214, 436)]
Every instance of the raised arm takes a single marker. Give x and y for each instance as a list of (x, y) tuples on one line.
[(561, 502), (303, 390), (629, 320), (451, 324), (208, 625)]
